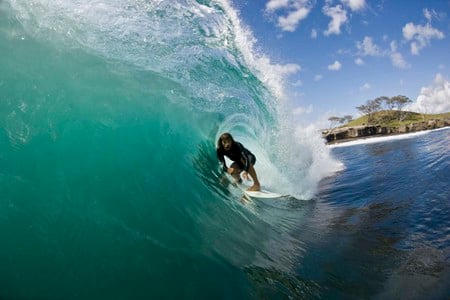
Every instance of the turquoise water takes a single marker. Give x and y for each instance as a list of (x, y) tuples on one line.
[(109, 184)]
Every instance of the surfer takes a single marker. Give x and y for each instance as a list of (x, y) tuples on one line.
[(243, 160)]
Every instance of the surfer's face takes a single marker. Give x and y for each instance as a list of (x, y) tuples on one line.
[(226, 143)]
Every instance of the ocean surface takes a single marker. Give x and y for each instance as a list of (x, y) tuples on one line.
[(110, 187)]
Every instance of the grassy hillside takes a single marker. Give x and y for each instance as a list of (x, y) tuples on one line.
[(390, 118)]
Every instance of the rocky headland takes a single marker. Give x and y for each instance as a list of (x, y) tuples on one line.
[(345, 134)]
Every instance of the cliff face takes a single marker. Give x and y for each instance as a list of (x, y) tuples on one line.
[(344, 133)]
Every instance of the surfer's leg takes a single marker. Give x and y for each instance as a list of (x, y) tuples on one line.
[(236, 172), (256, 186)]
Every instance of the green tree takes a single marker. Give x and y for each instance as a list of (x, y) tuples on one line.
[(400, 102), (370, 108), (348, 118), (334, 121), (382, 102), (390, 103)]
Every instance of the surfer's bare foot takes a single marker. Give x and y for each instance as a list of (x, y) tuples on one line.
[(254, 188), (244, 200)]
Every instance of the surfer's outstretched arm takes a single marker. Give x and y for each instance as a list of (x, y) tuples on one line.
[(222, 161)]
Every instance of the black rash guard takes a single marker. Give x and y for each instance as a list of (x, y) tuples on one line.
[(239, 154)]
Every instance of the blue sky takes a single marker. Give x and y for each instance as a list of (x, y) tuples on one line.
[(346, 52)]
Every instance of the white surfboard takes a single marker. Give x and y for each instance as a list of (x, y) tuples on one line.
[(263, 194)]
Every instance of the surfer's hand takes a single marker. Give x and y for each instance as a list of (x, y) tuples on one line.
[(245, 175), (230, 171)]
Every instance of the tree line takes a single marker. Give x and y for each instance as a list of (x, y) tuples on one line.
[(391, 106)]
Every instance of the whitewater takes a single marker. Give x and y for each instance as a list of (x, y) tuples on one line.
[(110, 186)]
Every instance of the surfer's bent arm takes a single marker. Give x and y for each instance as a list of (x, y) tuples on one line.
[(244, 155)]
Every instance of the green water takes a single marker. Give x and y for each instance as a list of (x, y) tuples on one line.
[(95, 167), (109, 184)]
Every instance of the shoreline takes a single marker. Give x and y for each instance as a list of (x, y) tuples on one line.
[(379, 138), (345, 134)]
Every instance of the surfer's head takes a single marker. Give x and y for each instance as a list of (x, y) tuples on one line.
[(225, 141)]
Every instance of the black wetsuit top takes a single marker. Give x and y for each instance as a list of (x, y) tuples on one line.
[(239, 154)]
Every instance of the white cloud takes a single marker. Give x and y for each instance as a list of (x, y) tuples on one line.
[(355, 5), (435, 98), (359, 61), (430, 14), (338, 17), (290, 22), (343, 51), (276, 4), (303, 110), (368, 48), (288, 69), (313, 33), (298, 94), (420, 36), (427, 14), (336, 66), (397, 58), (293, 11), (318, 77), (298, 83), (366, 86), (393, 46)]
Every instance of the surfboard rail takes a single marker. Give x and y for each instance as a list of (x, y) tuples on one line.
[(263, 194)]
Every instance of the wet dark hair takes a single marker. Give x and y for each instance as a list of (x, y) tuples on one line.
[(225, 135)]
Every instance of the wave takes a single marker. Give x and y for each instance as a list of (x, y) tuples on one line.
[(109, 115), (198, 57)]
